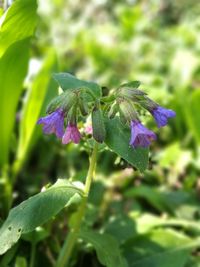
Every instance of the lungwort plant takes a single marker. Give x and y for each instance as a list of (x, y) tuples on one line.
[(114, 122)]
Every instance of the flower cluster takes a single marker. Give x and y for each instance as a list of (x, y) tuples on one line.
[(63, 106), (54, 123), (68, 105), (125, 101)]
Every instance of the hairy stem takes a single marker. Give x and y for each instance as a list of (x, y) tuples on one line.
[(71, 239)]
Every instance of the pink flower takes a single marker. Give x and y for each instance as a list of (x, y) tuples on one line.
[(88, 129), (71, 134)]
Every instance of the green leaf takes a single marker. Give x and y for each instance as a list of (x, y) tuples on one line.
[(35, 211), (19, 23), (70, 82), (35, 103), (36, 236), (133, 84), (165, 248), (151, 195), (191, 108), (118, 138), (13, 68), (121, 227), (21, 262), (106, 247), (146, 222), (8, 257)]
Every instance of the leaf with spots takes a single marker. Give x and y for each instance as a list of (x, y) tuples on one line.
[(35, 211)]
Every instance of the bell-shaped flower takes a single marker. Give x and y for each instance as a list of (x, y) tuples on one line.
[(140, 135), (53, 123), (161, 115), (71, 134)]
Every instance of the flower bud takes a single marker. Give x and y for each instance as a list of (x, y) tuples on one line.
[(148, 104), (83, 106), (64, 101), (132, 94), (127, 111), (113, 110), (99, 132)]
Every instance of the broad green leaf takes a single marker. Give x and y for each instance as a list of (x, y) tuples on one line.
[(118, 138), (13, 68), (35, 211), (106, 247), (19, 23), (35, 102), (70, 82), (162, 247)]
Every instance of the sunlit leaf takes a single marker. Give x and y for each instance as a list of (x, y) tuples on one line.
[(13, 68), (34, 103), (19, 23)]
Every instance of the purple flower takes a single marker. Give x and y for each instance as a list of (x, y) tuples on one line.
[(53, 123), (140, 135), (71, 134), (161, 115)]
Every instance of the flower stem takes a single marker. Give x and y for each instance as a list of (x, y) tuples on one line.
[(71, 239), (33, 251), (91, 170)]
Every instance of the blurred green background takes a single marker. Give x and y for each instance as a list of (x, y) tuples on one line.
[(110, 42)]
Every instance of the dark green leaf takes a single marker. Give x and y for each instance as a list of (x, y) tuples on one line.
[(161, 248), (36, 236), (118, 138), (121, 227), (106, 247), (98, 126), (152, 196), (70, 82), (35, 211)]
